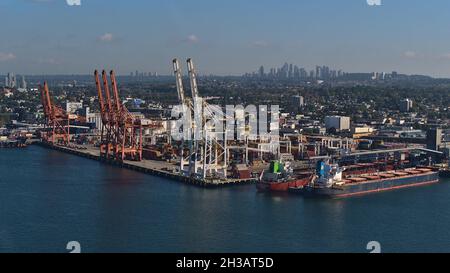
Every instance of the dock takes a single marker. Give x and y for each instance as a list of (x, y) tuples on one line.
[(12, 144), (152, 167)]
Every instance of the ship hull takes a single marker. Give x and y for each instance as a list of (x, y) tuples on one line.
[(282, 186), (375, 186)]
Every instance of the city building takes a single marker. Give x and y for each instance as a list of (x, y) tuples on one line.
[(339, 123), (363, 131), (406, 105), (10, 81), (434, 138), (72, 107), (95, 118), (261, 71), (295, 72), (298, 102), (23, 84)]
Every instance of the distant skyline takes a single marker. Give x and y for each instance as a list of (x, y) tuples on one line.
[(224, 37)]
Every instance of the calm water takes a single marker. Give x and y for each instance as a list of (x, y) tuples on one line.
[(48, 198)]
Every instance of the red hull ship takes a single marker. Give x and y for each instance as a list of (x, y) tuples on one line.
[(280, 177), (283, 186)]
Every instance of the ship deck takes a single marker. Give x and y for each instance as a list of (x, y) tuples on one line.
[(388, 175)]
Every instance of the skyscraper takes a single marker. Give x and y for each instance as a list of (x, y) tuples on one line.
[(23, 84), (406, 105), (290, 72), (285, 70), (10, 80), (261, 71), (318, 72)]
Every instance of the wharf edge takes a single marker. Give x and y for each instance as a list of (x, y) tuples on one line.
[(155, 172)]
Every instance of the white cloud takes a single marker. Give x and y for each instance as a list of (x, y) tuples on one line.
[(73, 2), (6, 57), (409, 54), (107, 37), (192, 39), (374, 2)]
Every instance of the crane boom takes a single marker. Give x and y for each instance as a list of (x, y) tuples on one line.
[(179, 80), (110, 109), (193, 79), (100, 98), (49, 101), (44, 102), (116, 98)]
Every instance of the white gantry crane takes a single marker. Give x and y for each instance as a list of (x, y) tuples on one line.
[(207, 156)]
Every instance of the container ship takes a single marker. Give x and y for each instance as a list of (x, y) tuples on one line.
[(330, 181), (281, 177)]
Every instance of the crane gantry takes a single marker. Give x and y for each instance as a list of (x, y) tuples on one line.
[(57, 120), (121, 133), (207, 154)]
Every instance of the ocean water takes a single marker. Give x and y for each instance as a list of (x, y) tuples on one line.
[(48, 198)]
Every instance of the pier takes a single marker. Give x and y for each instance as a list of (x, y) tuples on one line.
[(152, 167), (12, 144)]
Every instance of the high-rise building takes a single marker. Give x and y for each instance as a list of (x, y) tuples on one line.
[(298, 101), (10, 81), (325, 72), (272, 72), (23, 84), (296, 72), (261, 71), (290, 71), (303, 73), (406, 105), (285, 71), (434, 138), (318, 72)]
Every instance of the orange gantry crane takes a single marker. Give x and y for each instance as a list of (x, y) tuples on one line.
[(57, 120), (121, 133)]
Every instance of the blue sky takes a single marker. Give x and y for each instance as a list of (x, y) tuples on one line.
[(224, 37)]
